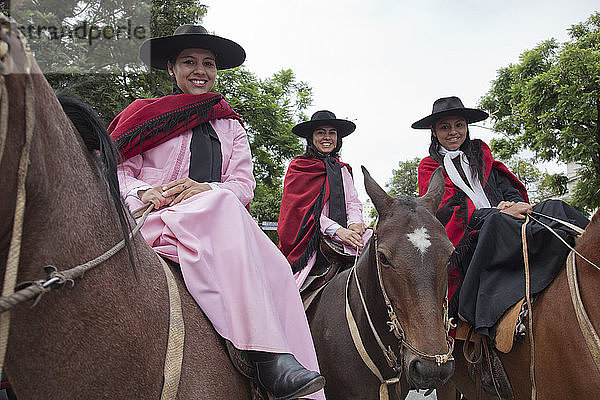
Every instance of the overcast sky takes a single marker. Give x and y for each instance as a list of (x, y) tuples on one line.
[(382, 63)]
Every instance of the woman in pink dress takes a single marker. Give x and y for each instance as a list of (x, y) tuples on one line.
[(188, 155), (319, 197)]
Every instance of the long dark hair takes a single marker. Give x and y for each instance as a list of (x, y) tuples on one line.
[(471, 148), (312, 152)]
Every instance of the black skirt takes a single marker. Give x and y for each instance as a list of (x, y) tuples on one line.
[(490, 261)]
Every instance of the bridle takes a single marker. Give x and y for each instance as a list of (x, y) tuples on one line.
[(394, 326)]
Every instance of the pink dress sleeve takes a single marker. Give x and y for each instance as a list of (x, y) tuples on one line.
[(326, 222), (236, 175), (128, 173)]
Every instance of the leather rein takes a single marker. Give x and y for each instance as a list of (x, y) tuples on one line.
[(58, 279), (394, 326)]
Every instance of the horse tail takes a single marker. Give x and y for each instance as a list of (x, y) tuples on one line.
[(92, 130)]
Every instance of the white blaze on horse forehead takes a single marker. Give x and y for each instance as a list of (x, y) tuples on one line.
[(420, 239)]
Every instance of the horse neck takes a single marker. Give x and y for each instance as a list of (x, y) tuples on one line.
[(588, 276), (68, 215)]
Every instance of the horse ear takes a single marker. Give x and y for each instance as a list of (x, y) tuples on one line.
[(431, 200), (381, 200)]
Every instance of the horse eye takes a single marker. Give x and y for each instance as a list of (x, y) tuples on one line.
[(383, 259)]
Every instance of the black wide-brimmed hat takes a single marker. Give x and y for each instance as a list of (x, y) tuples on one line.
[(322, 118), (156, 52), (447, 106)]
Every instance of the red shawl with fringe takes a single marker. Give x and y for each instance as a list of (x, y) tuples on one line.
[(146, 123), (301, 206)]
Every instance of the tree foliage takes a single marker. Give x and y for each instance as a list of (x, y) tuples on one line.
[(270, 108), (403, 182), (540, 184), (549, 102), (107, 75), (404, 179)]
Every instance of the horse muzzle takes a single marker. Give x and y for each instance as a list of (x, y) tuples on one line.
[(426, 374)]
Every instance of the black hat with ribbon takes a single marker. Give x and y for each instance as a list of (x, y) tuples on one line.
[(450, 106), (324, 118), (156, 52)]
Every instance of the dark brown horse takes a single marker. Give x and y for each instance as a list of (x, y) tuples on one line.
[(564, 367), (412, 250), (106, 337)]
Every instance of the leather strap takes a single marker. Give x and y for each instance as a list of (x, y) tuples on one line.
[(174, 356), (358, 344), (587, 329), (530, 313)]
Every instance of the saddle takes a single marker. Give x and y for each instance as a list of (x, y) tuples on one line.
[(508, 329), (331, 260)]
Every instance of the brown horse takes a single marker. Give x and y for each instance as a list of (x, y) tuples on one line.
[(410, 252), (564, 368), (106, 337)]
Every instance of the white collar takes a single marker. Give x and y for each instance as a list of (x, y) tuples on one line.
[(475, 191)]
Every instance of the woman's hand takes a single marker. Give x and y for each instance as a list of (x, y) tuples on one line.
[(504, 204), (358, 227), (182, 189), (349, 237), (155, 196), (518, 210)]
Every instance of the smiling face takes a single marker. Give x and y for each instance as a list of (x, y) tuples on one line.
[(194, 70), (451, 131), (325, 138)]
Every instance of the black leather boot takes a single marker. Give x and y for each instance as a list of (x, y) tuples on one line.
[(283, 376)]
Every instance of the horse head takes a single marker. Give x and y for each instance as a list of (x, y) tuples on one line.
[(412, 251)]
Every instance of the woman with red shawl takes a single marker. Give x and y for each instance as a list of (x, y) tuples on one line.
[(319, 197), (483, 209), (188, 155)]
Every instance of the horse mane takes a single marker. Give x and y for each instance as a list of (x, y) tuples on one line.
[(92, 130)]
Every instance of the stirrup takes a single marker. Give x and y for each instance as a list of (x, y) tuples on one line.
[(486, 370)]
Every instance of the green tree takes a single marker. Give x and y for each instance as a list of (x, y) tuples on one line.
[(106, 74), (270, 108), (540, 184), (404, 179), (549, 102)]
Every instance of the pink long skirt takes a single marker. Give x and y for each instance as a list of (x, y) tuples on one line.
[(235, 273)]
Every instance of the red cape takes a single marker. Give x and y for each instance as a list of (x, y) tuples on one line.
[(457, 225), (301, 190), (146, 123)]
